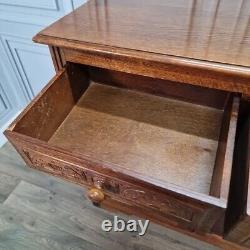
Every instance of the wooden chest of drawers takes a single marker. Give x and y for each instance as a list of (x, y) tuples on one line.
[(150, 121)]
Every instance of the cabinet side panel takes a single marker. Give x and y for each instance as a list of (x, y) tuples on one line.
[(237, 217)]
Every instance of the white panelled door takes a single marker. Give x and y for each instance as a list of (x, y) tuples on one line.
[(25, 67)]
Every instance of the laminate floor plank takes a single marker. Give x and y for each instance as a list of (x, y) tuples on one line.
[(68, 215), (85, 221), (24, 231), (8, 150), (7, 185)]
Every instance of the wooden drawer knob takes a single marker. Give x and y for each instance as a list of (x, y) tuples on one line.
[(96, 195)]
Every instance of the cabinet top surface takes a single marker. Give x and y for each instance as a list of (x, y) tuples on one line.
[(215, 31)]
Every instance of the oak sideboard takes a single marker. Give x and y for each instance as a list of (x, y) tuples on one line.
[(150, 111)]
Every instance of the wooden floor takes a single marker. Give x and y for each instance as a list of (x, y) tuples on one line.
[(38, 211)]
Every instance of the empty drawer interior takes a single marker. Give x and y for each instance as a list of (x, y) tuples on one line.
[(171, 132)]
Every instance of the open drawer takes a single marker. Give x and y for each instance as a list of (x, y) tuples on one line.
[(162, 146)]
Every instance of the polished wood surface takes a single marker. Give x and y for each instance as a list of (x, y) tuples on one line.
[(197, 42), (215, 30)]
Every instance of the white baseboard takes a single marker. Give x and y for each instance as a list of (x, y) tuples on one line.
[(3, 139)]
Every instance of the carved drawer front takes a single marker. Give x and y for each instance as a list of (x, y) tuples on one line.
[(178, 212), (58, 167), (164, 204)]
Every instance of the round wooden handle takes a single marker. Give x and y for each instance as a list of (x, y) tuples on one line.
[(96, 195)]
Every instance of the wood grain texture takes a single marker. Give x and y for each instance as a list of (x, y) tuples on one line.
[(19, 230), (7, 185), (58, 97), (57, 58), (200, 30), (204, 42), (224, 157), (182, 208), (182, 71), (150, 135), (46, 204), (189, 93), (177, 210)]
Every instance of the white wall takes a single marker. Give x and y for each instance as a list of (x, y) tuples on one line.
[(25, 67)]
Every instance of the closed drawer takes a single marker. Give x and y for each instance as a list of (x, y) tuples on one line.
[(238, 214), (163, 146)]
